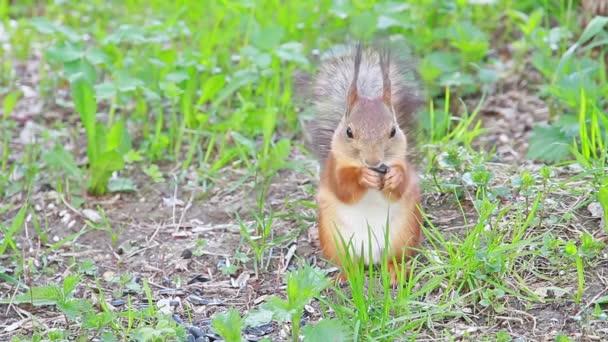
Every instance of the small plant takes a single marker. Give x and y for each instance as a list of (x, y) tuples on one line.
[(302, 286), (61, 297), (228, 325), (106, 146)]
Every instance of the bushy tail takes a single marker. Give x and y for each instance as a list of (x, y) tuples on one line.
[(326, 92)]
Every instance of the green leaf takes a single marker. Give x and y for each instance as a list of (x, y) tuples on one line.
[(83, 96), (69, 284), (118, 138), (60, 159), (9, 103), (38, 296), (76, 308), (548, 144), (240, 80), (43, 25), (304, 284), (228, 325), (102, 169), (268, 38), (363, 25), (601, 300), (120, 184), (292, 52), (80, 68), (327, 330), (7, 278), (64, 52), (281, 310), (258, 317), (210, 88), (16, 224)]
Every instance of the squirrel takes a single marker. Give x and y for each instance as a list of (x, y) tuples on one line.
[(364, 107)]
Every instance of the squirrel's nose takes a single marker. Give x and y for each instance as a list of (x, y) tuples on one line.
[(373, 162)]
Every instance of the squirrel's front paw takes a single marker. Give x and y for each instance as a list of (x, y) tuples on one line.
[(371, 179), (393, 180)]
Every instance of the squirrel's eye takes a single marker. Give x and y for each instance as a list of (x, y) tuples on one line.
[(349, 132), (393, 132)]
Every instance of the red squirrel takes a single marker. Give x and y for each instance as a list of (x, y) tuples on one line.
[(364, 106)]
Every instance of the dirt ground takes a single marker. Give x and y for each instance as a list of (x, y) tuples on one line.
[(152, 234)]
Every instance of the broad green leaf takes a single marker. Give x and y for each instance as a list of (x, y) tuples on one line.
[(83, 96), (327, 330), (292, 52), (228, 325), (43, 25), (120, 184), (105, 91), (101, 171), (304, 284), (210, 88), (595, 26), (363, 25), (69, 284), (37, 296), (80, 68), (602, 300), (548, 144), (9, 103), (258, 317), (75, 308), (241, 79), (268, 38), (177, 76), (60, 159), (127, 34), (97, 57), (63, 52), (280, 308), (118, 138)]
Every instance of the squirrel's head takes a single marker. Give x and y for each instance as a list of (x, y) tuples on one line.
[(368, 134)]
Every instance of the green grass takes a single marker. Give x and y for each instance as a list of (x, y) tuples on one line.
[(189, 110)]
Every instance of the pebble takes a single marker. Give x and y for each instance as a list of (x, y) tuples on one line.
[(196, 332), (260, 330), (118, 302), (177, 319), (200, 278), (172, 292)]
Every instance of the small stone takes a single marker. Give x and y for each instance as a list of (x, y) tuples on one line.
[(260, 330), (200, 278), (197, 300), (196, 332), (172, 292), (118, 302), (191, 338), (186, 253), (92, 215), (177, 319)]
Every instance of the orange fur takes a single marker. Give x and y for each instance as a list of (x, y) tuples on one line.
[(340, 185)]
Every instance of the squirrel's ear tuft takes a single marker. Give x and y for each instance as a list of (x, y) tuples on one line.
[(353, 92), (385, 66)]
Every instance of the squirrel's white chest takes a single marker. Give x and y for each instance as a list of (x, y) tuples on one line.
[(364, 223)]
